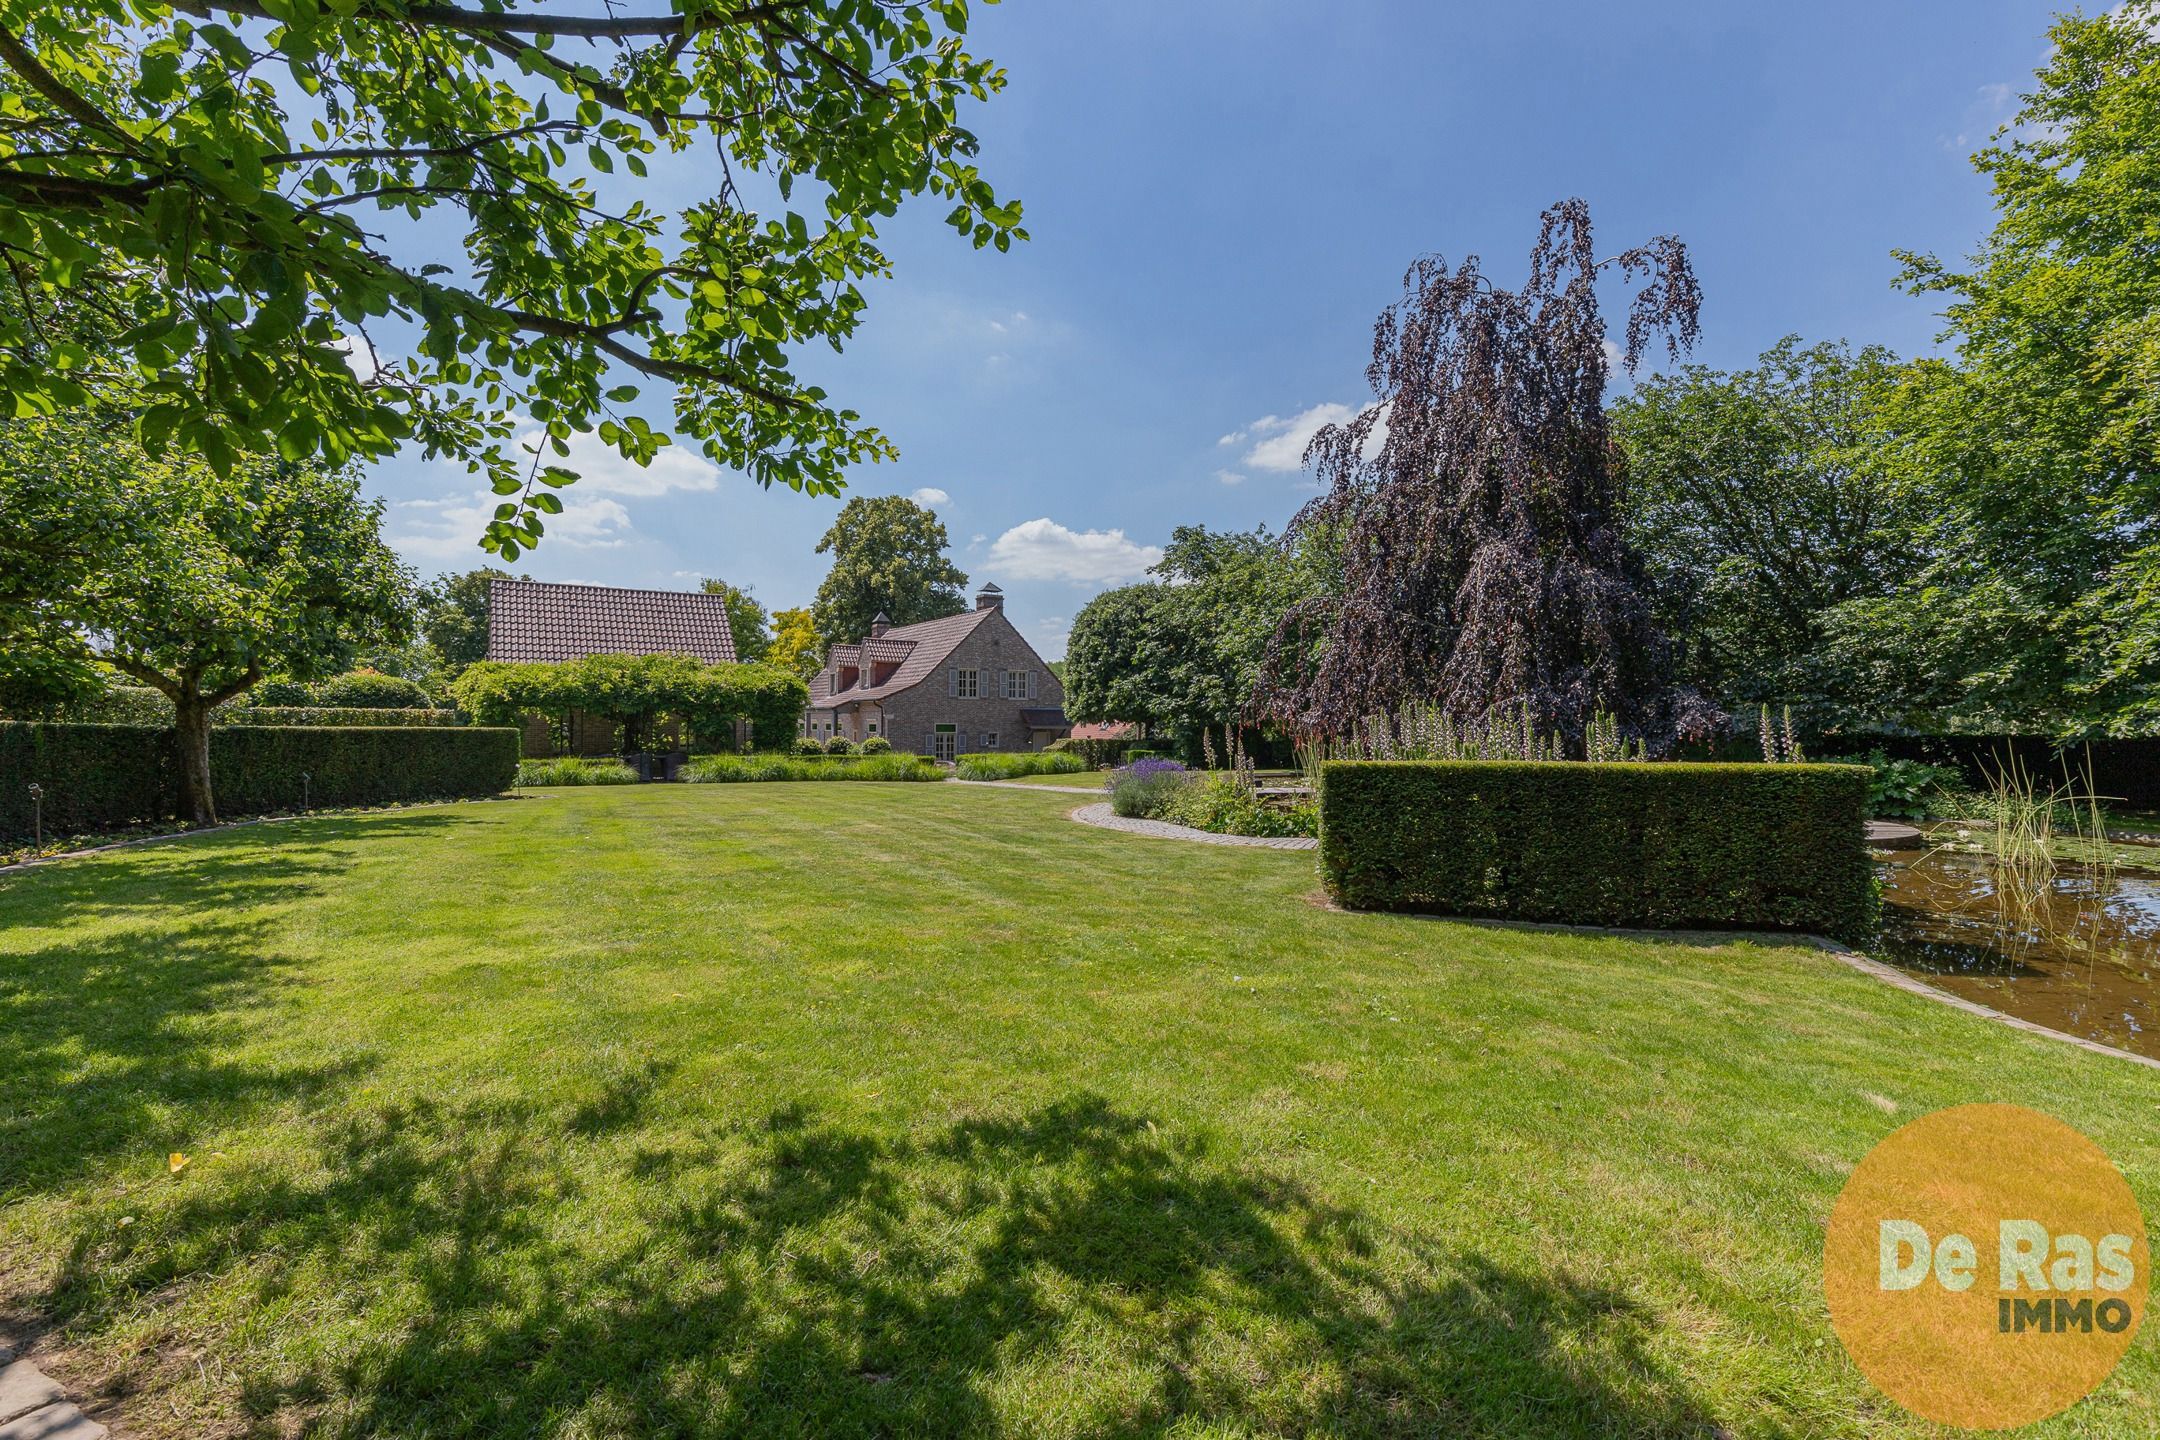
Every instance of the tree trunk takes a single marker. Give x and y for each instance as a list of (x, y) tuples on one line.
[(191, 739)]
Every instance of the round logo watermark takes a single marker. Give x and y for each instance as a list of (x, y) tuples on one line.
[(1986, 1266)]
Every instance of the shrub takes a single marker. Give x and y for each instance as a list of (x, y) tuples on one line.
[(806, 745), (877, 745), (1012, 764), (141, 705), (100, 777), (841, 745), (1666, 845), (277, 690), (324, 715), (735, 769), (368, 690), (1098, 753), (575, 770), (1221, 802), (1907, 789), (1141, 790)]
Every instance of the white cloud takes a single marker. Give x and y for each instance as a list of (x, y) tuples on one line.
[(1042, 549), (1229, 477), (360, 356), (1051, 635), (931, 495), (1278, 441), (449, 527), (602, 470)]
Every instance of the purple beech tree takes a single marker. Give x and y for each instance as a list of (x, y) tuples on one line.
[(1475, 505)]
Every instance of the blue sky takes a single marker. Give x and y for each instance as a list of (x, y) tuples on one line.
[(1223, 193)]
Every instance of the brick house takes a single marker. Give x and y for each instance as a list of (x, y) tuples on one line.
[(534, 620), (968, 682)]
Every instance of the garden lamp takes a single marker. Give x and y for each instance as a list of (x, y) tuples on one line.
[(37, 815)]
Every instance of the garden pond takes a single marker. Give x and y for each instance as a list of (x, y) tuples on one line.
[(2075, 948)]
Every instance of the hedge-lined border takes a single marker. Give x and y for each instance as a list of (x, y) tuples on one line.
[(1665, 845), (98, 778)]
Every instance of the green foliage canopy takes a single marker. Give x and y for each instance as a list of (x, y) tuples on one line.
[(454, 616), (1181, 653), (236, 190), (1761, 500), (748, 624), (635, 691), (888, 555), (2034, 453), (195, 583)]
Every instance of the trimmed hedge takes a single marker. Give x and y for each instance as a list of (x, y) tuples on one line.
[(141, 705), (101, 777), (1665, 845), (333, 716)]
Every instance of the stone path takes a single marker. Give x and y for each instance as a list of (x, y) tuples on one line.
[(32, 1407), (1104, 817)]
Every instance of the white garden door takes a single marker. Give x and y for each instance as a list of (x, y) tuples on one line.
[(942, 742)]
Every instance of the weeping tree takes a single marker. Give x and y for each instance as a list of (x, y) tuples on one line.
[(1475, 505)]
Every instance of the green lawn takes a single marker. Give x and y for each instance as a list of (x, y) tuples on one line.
[(849, 1109)]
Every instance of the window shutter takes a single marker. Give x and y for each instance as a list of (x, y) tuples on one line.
[(952, 682), (1031, 684)]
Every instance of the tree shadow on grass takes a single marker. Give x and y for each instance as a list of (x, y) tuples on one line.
[(1073, 1268), (128, 981), (217, 871), (102, 1041)]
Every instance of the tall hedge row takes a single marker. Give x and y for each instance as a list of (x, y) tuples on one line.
[(97, 777), (141, 705), (1661, 845)]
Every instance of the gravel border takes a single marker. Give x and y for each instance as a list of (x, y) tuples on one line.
[(1104, 818)]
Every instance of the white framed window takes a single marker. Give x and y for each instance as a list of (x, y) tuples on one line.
[(967, 684), (873, 727), (990, 740), (1016, 684)]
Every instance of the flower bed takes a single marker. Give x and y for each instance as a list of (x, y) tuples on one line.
[(1222, 802), (1014, 764), (737, 769), (575, 770)]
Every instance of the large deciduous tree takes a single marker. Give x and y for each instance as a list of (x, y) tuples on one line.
[(454, 617), (1182, 653), (1761, 500), (195, 583), (2033, 452), (1476, 505), (888, 554), (748, 624), (795, 644), (236, 188)]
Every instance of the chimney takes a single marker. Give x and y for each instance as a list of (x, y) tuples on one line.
[(989, 597), (880, 625)]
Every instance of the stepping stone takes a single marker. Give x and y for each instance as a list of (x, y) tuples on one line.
[(54, 1422), (24, 1388), (1890, 835)]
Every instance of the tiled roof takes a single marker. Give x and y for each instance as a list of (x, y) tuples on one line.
[(534, 620), (1104, 730), (928, 643)]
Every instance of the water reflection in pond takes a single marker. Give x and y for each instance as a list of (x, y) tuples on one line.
[(2076, 950)]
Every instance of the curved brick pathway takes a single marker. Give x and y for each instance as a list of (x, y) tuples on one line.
[(1105, 818)]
